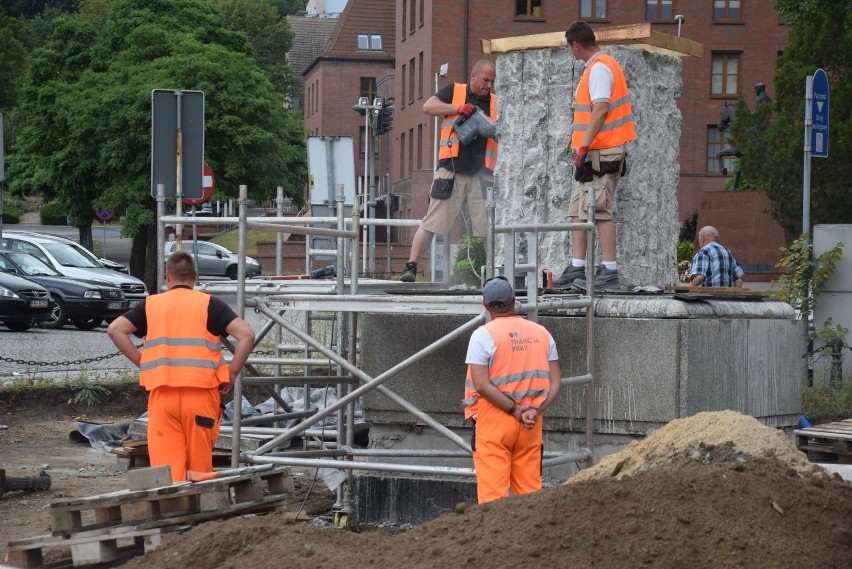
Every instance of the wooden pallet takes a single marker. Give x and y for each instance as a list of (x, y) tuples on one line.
[(184, 502), (88, 548), (829, 442)]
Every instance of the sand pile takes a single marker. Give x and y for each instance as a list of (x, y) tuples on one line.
[(715, 497), (720, 436)]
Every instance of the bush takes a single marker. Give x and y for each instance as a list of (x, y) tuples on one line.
[(53, 214), (684, 251), (469, 260), (12, 209)]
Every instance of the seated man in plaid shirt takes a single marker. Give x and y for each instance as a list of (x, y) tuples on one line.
[(714, 265)]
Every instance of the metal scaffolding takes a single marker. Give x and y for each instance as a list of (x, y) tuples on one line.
[(341, 301)]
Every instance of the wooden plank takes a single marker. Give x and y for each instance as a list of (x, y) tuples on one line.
[(627, 34), (716, 291)]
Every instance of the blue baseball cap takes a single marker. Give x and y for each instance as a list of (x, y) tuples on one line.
[(497, 292)]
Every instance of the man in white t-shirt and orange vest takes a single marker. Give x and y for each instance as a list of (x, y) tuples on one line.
[(464, 171), (603, 124), (512, 377)]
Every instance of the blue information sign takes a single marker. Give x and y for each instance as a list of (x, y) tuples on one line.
[(819, 116)]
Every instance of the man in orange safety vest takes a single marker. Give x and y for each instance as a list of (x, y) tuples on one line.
[(513, 376)]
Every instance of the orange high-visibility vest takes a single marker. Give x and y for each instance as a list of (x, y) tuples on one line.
[(618, 126), (449, 145), (520, 368), (178, 350)]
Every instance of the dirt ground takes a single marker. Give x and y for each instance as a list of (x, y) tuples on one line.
[(36, 437), (714, 490)]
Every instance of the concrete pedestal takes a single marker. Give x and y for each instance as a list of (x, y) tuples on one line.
[(656, 359)]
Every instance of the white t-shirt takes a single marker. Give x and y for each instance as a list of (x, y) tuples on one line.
[(481, 348), (601, 81)]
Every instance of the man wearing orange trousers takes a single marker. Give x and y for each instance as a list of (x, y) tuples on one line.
[(513, 376), (181, 366)]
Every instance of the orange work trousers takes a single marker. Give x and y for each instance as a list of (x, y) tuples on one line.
[(183, 423), (507, 455)]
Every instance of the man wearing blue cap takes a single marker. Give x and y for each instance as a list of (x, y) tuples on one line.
[(512, 377)]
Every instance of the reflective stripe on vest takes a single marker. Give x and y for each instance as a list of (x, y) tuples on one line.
[(449, 144), (618, 127), (178, 350), (520, 368)]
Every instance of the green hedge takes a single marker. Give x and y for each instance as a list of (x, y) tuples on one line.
[(12, 210), (53, 214)]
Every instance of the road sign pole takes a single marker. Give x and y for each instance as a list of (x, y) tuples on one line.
[(179, 171), (806, 178)]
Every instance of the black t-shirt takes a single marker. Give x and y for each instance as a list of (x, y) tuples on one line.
[(471, 158), (219, 316)]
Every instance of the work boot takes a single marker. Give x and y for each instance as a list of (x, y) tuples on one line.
[(569, 275), (409, 275), (605, 279)]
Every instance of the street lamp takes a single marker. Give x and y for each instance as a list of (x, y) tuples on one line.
[(680, 19)]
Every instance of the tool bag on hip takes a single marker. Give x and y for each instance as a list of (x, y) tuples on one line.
[(593, 166), (442, 184)]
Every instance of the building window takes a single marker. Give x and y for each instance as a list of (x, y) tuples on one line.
[(726, 10), (402, 19), (593, 9), (410, 149), (368, 88), (402, 155), (420, 78), (528, 8), (413, 18), (725, 74), (402, 86), (411, 77), (715, 144), (362, 134), (369, 42), (659, 9), (420, 147)]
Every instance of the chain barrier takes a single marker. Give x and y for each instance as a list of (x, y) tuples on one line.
[(34, 363)]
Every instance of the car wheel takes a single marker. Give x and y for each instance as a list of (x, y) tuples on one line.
[(231, 272), (18, 326), (58, 316), (87, 323)]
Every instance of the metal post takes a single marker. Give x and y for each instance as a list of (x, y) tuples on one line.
[(279, 237), (806, 210), (370, 209), (161, 237), (490, 224), (590, 315), (179, 171), (241, 311), (388, 227)]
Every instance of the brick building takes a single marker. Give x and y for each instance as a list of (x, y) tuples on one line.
[(741, 40)]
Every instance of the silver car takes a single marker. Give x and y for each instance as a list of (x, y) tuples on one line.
[(213, 259), (67, 259)]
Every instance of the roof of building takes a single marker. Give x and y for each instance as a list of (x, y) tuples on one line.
[(311, 39), (372, 17)]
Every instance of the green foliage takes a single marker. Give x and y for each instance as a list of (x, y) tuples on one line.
[(822, 401), (53, 213), (87, 393), (771, 139), (805, 275), (830, 331), (688, 228), (469, 261), (13, 207), (684, 251), (743, 185)]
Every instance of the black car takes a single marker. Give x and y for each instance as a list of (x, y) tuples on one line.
[(22, 302), (86, 303)]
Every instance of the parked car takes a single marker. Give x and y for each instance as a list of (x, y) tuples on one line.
[(69, 261), (22, 302), (106, 263), (214, 259), (86, 303)]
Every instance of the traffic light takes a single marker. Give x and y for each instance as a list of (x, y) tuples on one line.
[(384, 122)]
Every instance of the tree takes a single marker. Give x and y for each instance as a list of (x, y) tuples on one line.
[(771, 139), (85, 114)]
